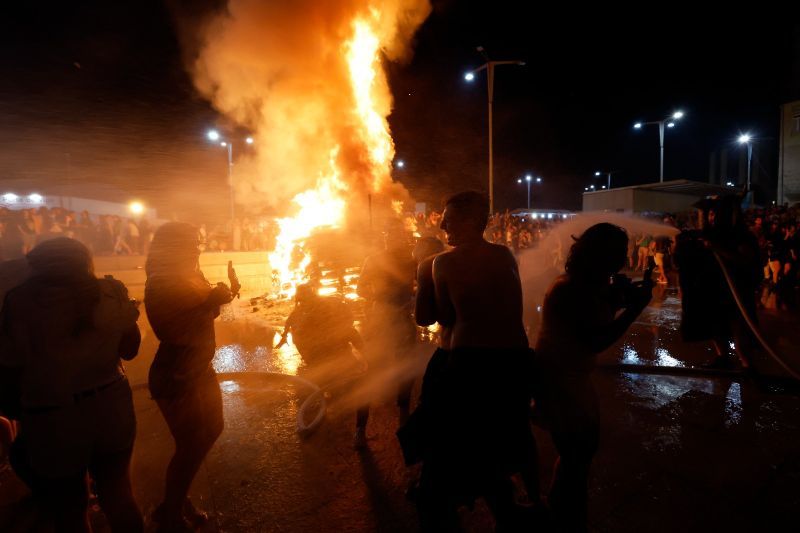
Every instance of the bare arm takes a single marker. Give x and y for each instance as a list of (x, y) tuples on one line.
[(589, 323), (287, 328), (356, 340), (445, 309), (600, 339), (425, 301)]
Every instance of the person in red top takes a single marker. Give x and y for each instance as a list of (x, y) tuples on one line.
[(181, 306)]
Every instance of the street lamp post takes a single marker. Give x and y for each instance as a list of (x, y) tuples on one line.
[(489, 66), (670, 123), (528, 179), (608, 177), (748, 140), (213, 135)]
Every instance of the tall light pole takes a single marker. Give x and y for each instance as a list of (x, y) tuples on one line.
[(214, 136), (528, 179), (745, 138), (608, 177), (489, 66), (670, 123)]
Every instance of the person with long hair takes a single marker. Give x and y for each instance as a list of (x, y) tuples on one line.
[(181, 306), (63, 333), (578, 322)]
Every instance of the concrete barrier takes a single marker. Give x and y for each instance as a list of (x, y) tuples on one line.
[(253, 270)]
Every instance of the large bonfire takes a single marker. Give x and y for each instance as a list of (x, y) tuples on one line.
[(307, 77)]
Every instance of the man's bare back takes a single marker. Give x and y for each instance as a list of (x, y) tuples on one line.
[(479, 296)]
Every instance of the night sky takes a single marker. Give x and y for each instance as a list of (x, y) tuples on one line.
[(96, 92)]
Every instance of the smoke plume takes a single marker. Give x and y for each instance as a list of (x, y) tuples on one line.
[(285, 71)]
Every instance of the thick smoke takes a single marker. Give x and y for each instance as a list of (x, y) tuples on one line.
[(279, 69)]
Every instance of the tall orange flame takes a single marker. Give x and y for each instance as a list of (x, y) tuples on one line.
[(307, 77)]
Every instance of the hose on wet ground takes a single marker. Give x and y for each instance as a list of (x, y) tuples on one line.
[(318, 395), (749, 321), (789, 382), (315, 398)]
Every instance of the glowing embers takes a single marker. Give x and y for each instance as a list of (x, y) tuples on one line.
[(430, 333), (346, 283), (321, 207)]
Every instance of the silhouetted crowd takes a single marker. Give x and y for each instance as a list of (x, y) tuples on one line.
[(775, 229), (519, 231), (64, 335), (21, 230)]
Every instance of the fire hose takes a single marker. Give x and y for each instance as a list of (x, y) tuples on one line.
[(749, 321), (315, 398), (316, 395)]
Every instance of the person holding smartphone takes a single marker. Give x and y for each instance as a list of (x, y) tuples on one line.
[(579, 320)]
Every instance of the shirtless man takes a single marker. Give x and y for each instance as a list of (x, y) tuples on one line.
[(480, 434), (477, 285)]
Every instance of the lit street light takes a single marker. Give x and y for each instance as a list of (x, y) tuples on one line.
[(489, 66), (528, 179), (401, 163), (136, 208), (745, 138), (214, 136), (608, 177), (670, 123)]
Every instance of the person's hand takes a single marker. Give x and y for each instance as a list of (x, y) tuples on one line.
[(220, 295)]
